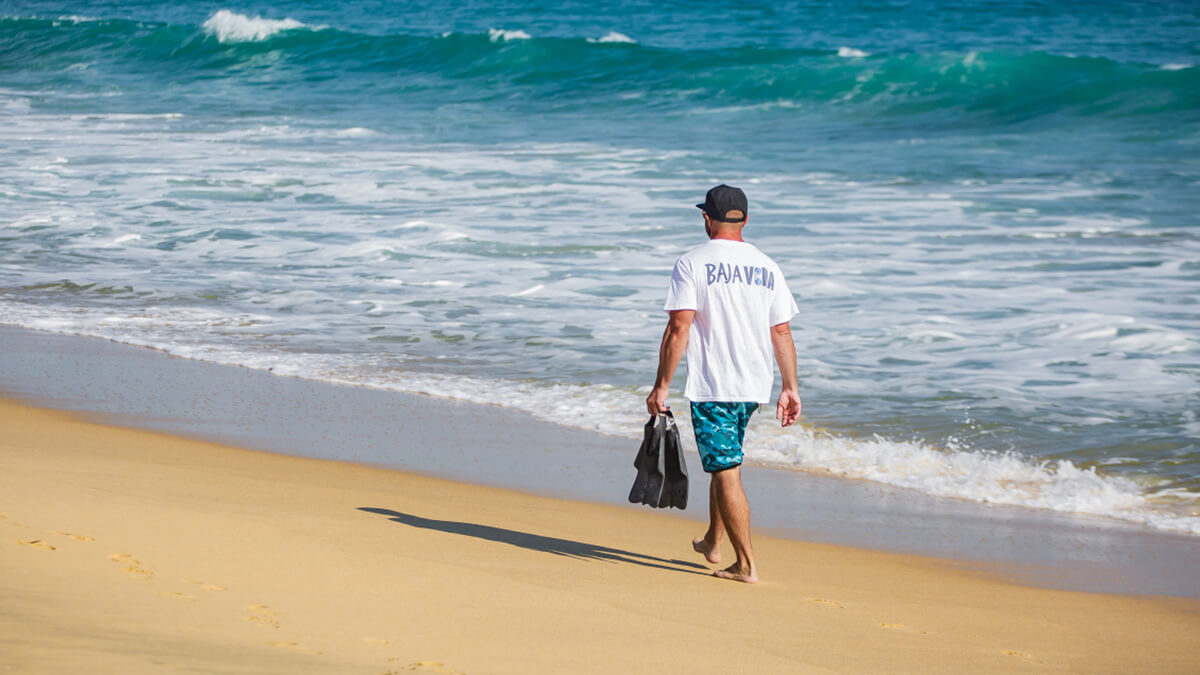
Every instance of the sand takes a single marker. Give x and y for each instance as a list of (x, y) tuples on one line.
[(130, 551)]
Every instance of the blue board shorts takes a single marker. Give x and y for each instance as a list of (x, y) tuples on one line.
[(720, 427)]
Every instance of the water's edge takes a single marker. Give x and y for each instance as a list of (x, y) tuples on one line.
[(132, 386)]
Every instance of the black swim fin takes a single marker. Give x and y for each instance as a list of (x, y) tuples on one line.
[(648, 485), (676, 489), (662, 479)]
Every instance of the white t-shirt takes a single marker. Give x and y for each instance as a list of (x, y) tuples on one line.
[(738, 293)]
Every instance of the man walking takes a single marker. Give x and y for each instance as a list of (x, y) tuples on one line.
[(732, 300)]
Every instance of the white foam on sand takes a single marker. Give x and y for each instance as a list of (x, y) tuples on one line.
[(230, 26)]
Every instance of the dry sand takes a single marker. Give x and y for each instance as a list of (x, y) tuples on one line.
[(126, 551)]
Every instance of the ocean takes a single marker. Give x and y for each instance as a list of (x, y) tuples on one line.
[(987, 212)]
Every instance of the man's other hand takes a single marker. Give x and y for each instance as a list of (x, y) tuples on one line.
[(656, 402), (787, 410)]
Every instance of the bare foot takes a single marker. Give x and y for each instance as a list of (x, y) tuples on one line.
[(710, 553), (735, 572)]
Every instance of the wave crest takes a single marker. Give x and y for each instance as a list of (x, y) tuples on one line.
[(501, 35), (229, 26), (614, 36), (970, 474)]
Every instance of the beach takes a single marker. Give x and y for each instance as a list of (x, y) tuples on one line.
[(132, 550), (326, 332)]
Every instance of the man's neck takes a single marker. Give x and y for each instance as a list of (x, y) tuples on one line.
[(727, 236)]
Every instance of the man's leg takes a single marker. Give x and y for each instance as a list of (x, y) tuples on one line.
[(735, 512), (710, 544)]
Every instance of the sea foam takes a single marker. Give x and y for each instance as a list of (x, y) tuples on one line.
[(614, 36), (501, 35), (1006, 478), (230, 26)]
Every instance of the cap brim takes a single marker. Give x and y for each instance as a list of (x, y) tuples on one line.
[(700, 206)]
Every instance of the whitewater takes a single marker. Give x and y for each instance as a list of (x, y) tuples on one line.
[(992, 242)]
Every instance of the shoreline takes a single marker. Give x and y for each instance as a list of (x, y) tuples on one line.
[(138, 387)]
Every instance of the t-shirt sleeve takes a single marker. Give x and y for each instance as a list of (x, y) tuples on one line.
[(783, 305), (682, 292)]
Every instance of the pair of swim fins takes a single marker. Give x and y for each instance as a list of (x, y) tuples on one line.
[(662, 478)]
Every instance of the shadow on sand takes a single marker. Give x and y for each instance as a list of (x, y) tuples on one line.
[(537, 542)]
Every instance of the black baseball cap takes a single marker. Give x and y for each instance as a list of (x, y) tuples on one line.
[(721, 200)]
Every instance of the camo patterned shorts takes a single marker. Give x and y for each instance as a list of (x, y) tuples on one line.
[(720, 427)]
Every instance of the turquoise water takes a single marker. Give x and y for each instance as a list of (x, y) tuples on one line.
[(986, 212)]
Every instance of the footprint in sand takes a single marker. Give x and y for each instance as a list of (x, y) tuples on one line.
[(295, 646), (424, 666), (827, 603), (900, 627), (132, 567), (77, 537), (37, 543), (178, 596), (1022, 655), (263, 616), (203, 585)]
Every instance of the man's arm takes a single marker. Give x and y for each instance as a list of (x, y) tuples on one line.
[(674, 341), (787, 410)]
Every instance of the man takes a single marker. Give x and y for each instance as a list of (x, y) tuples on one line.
[(734, 303)]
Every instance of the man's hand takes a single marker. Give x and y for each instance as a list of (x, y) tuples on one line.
[(787, 410), (656, 402)]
